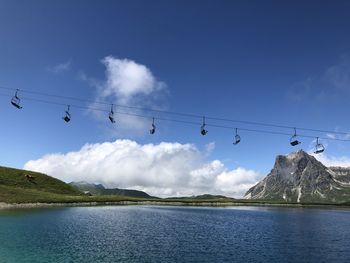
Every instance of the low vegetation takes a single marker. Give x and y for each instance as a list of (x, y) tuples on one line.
[(20, 186)]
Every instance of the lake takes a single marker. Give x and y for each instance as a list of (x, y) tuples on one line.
[(175, 234)]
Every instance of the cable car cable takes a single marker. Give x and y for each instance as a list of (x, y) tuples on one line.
[(181, 113), (175, 120)]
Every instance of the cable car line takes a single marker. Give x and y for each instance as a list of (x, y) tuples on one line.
[(180, 113), (319, 148), (105, 103)]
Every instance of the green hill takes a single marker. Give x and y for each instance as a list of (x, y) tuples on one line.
[(26, 186), (99, 189), (21, 186)]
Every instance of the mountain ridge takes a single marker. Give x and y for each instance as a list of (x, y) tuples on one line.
[(99, 189), (300, 178)]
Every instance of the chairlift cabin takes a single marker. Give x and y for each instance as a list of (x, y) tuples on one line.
[(203, 130), (237, 138), (294, 140), (111, 115), (153, 129), (319, 148), (67, 115), (16, 101)]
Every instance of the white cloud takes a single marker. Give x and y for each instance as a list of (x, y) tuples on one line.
[(334, 136), (165, 169), (342, 161), (59, 68), (129, 84), (209, 148), (236, 180), (127, 79)]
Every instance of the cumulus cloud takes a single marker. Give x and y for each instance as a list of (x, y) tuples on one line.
[(61, 67), (129, 84), (165, 169), (342, 161), (126, 80)]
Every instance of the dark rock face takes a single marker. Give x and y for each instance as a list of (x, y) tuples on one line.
[(300, 178)]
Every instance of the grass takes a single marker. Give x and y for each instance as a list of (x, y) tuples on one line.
[(13, 195), (16, 187), (16, 178)]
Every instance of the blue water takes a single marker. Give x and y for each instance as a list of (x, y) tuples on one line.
[(175, 234)]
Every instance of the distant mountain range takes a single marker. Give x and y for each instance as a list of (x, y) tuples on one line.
[(99, 189), (203, 197), (300, 178)]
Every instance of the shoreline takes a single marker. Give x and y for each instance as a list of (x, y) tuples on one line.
[(5, 206)]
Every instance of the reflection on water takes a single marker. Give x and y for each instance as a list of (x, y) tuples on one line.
[(174, 234)]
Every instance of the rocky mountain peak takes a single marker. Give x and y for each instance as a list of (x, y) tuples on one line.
[(295, 157), (300, 177), (292, 166)]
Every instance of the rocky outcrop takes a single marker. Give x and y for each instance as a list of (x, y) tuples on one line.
[(300, 178)]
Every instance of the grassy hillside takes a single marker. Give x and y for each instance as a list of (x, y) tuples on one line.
[(17, 178), (20, 186), (26, 186)]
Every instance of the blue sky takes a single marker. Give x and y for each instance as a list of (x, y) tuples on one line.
[(284, 62)]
